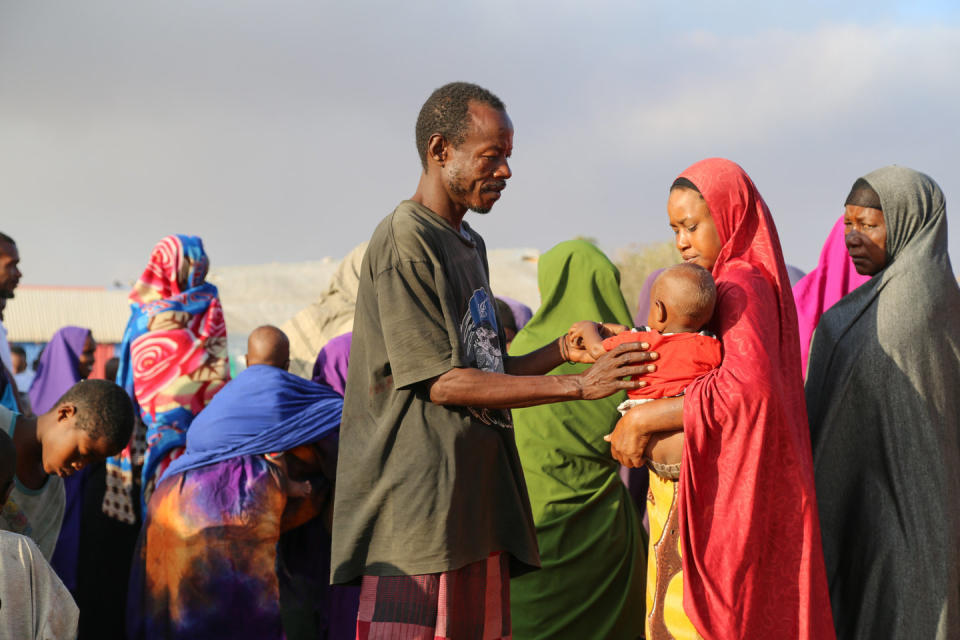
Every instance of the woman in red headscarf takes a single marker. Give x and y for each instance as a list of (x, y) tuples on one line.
[(736, 541)]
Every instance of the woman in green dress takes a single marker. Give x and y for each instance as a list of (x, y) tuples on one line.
[(592, 545)]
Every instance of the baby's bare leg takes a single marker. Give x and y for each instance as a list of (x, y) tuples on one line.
[(666, 447)]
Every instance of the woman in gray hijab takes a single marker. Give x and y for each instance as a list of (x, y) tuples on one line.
[(883, 396)]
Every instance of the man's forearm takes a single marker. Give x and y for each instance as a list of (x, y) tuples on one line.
[(484, 389)]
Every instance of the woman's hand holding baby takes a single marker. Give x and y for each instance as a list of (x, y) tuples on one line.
[(629, 440)]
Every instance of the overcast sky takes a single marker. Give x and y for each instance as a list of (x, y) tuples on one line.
[(283, 131)]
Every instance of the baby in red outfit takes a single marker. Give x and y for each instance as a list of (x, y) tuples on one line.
[(681, 303)]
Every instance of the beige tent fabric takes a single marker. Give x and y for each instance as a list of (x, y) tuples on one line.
[(513, 273), (326, 318)]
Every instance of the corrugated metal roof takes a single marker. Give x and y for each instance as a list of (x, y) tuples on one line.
[(36, 313), (251, 295)]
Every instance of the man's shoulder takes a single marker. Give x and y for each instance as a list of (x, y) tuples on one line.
[(408, 234), (412, 221)]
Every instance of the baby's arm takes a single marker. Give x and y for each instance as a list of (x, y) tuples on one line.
[(589, 336), (586, 336)]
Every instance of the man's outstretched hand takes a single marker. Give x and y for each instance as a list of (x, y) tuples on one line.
[(613, 371)]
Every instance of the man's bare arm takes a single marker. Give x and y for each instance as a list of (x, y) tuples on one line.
[(535, 363), (484, 389), (583, 343)]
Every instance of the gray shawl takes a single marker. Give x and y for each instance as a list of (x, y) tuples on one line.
[(883, 395)]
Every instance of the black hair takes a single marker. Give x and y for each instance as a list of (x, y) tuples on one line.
[(104, 410), (684, 183), (5, 239), (863, 195), (446, 112), (17, 349), (505, 315)]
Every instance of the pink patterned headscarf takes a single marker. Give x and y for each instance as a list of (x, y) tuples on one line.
[(173, 360), (832, 278)]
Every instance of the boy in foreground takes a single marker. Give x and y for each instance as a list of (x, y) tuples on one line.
[(93, 420), (33, 601)]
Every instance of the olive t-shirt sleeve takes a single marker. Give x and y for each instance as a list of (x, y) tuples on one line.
[(421, 342)]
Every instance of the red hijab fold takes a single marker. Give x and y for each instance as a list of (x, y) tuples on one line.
[(750, 535)]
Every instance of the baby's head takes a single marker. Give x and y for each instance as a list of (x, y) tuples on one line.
[(682, 299), (8, 466), (92, 421), (270, 346)]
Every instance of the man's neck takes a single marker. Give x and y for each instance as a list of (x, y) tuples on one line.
[(431, 194), (29, 453)]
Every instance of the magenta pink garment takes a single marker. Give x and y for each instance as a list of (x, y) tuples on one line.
[(832, 278)]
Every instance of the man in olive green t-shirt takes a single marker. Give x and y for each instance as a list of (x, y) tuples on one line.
[(431, 510)]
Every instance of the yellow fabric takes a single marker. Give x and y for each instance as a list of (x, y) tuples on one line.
[(660, 498)]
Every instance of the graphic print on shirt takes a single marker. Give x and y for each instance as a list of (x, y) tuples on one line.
[(15, 519), (481, 344)]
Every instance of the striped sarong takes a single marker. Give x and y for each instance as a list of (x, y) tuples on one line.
[(472, 602)]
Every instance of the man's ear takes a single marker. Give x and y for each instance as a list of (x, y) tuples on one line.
[(436, 150), (661, 311)]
